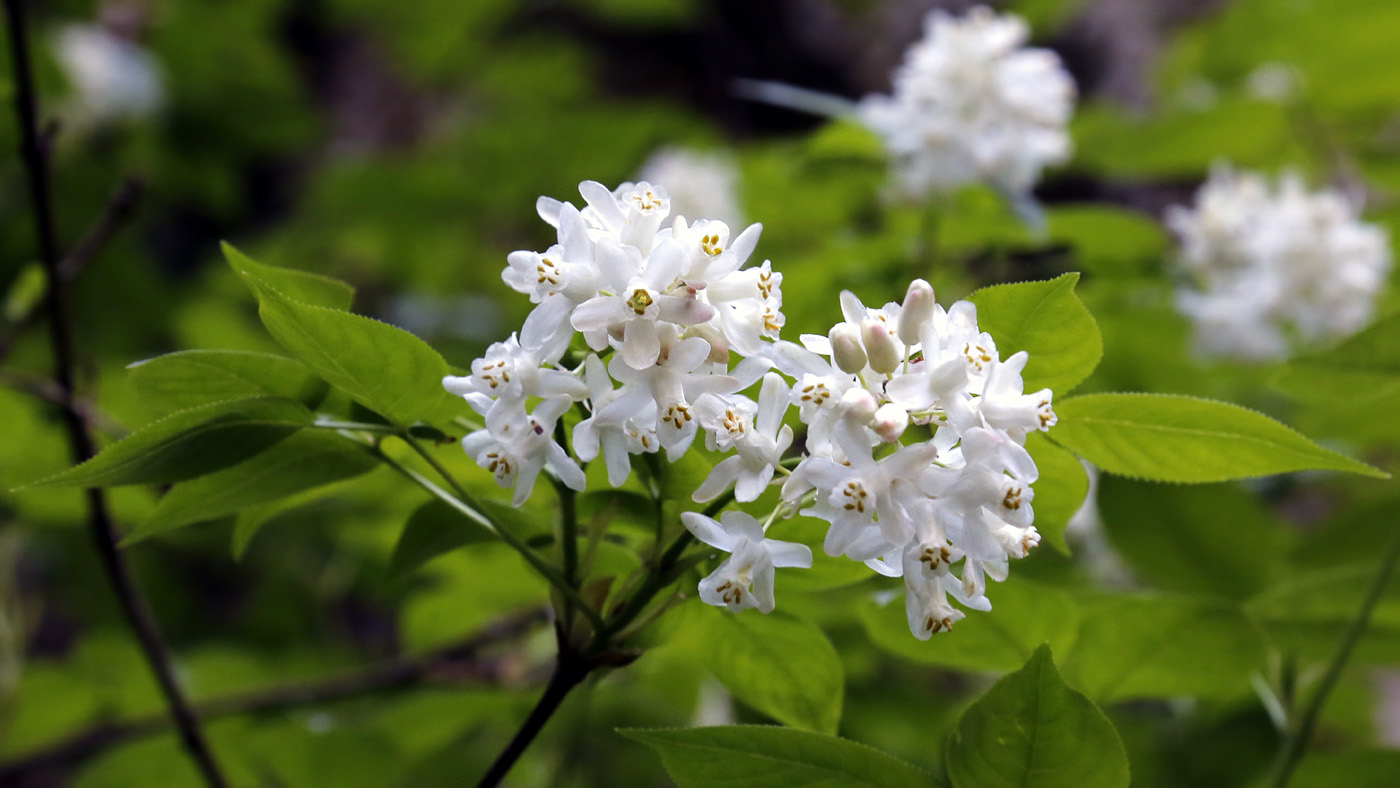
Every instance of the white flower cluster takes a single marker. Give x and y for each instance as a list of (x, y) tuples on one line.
[(972, 103), (915, 427), (113, 78), (670, 301), (1269, 264)]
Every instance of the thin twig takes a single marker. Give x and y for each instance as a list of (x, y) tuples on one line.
[(455, 665), (119, 208), (104, 532), (48, 391), (1296, 743)]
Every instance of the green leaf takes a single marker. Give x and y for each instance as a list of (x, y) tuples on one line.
[(435, 528), (194, 377), (759, 756), (1171, 438), (1364, 769), (1212, 539), (1136, 646), (189, 443), (25, 293), (1032, 731), (302, 286), (302, 462), (1363, 371), (782, 666), (1023, 616), (1310, 613), (1059, 491), (1048, 321), (381, 366)]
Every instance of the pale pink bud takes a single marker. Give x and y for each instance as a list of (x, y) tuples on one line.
[(880, 346), (858, 405), (917, 310), (846, 350), (889, 422)]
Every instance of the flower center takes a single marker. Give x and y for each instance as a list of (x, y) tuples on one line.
[(977, 356), (639, 301), (856, 497), (710, 244), (677, 415)]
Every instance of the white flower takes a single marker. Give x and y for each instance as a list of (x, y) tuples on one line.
[(617, 432), (509, 372), (760, 441), (745, 579), (972, 103), (1270, 266), (515, 446), (671, 386), (640, 294), (699, 184)]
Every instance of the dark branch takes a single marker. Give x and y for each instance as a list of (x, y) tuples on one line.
[(459, 665), (119, 208), (104, 532)]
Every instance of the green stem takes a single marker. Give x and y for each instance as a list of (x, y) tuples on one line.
[(357, 426), (467, 508), (659, 578), (1296, 744), (568, 515)]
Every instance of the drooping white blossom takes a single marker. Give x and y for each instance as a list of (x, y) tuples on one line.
[(972, 103), (745, 578), (1271, 266)]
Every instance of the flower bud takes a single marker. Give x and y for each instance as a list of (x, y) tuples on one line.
[(846, 350), (917, 310), (881, 346), (858, 405), (889, 422)]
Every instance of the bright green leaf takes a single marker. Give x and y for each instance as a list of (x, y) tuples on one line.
[(1137, 646), (381, 366), (1023, 616), (300, 463), (302, 286), (781, 666), (1059, 492), (1032, 731), (191, 378), (190, 443), (1172, 438), (1048, 321), (25, 293), (758, 756)]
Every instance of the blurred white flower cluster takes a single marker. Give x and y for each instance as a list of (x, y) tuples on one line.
[(972, 103), (915, 427), (1269, 265), (113, 77)]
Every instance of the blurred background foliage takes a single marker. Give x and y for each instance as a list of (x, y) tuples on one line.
[(401, 146)]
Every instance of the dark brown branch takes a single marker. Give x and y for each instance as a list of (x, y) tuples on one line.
[(104, 532), (459, 665)]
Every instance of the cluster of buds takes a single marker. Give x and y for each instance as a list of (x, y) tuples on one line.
[(914, 426)]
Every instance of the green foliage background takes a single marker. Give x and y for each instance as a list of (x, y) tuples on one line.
[(1170, 619)]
